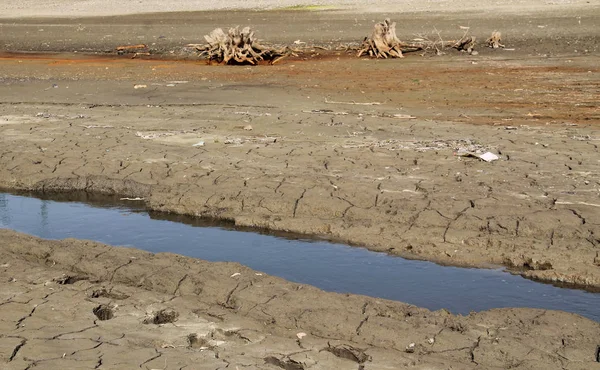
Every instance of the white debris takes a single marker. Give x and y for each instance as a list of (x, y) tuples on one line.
[(140, 86), (404, 116), (236, 141), (489, 157), (236, 274), (200, 143), (301, 335)]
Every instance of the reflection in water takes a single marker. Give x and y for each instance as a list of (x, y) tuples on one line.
[(44, 215), (4, 213), (329, 266)]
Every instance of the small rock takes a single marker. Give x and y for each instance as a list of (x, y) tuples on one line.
[(410, 348), (431, 340), (248, 127), (301, 335)]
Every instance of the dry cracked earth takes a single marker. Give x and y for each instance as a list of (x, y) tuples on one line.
[(366, 152)]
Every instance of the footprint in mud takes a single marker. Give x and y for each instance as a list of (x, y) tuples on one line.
[(103, 312), (70, 279), (285, 363), (194, 341)]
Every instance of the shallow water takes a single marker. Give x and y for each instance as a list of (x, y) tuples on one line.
[(329, 266)]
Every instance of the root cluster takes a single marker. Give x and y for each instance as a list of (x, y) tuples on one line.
[(237, 47), (383, 42), (494, 40)]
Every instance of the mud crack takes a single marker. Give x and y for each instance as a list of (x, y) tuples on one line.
[(17, 349)]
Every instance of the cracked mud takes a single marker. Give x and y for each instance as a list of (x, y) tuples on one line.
[(250, 320)]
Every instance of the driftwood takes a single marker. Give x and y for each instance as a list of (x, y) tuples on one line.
[(383, 42), (494, 40), (467, 43), (136, 50), (237, 47)]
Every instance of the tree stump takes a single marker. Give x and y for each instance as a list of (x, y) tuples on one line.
[(383, 42), (237, 47), (494, 40)]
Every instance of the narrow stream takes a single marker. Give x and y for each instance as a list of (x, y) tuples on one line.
[(329, 266)]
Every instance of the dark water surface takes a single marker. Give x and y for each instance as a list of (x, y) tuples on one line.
[(329, 266)]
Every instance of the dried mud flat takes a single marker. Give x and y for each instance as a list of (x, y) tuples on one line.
[(361, 151)]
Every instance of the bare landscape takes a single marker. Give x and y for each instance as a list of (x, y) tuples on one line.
[(382, 154)]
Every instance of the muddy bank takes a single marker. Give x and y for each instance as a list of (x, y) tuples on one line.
[(81, 304)]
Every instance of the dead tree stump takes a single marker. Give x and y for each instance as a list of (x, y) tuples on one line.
[(494, 40), (237, 47), (383, 42)]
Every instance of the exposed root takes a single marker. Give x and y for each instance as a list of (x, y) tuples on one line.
[(238, 47), (383, 42), (494, 40)]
